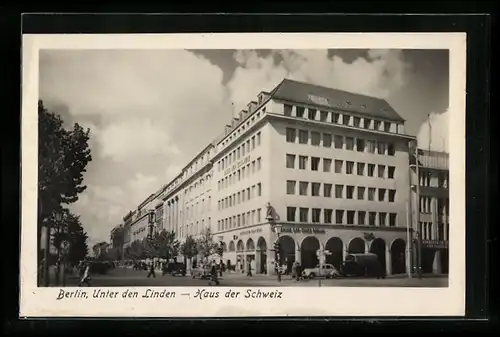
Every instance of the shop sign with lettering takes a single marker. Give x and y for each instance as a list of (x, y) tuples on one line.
[(251, 231), (436, 244), (237, 165), (305, 230)]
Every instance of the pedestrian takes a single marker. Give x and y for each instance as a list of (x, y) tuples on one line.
[(85, 279), (249, 266), (213, 274), (221, 265), (298, 270), (152, 270), (294, 270)]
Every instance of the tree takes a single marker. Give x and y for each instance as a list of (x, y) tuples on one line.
[(62, 159), (100, 250), (206, 244), (166, 245), (189, 248)]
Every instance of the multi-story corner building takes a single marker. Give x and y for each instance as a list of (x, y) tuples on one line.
[(430, 209), (330, 166)]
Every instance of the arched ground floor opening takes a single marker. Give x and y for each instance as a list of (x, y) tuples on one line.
[(308, 252), (356, 246), (378, 247), (398, 256), (336, 248), (261, 256), (287, 251)]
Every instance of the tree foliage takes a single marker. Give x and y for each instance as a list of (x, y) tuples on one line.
[(69, 228), (166, 244), (189, 248), (206, 244), (63, 156)]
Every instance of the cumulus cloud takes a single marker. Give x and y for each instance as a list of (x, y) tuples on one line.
[(434, 132), (380, 74), (152, 111)]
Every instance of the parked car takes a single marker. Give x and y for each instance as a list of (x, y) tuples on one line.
[(326, 270), (178, 268), (366, 264)]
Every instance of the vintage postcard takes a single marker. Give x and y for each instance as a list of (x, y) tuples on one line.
[(232, 175)]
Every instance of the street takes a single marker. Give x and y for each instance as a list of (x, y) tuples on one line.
[(133, 278)]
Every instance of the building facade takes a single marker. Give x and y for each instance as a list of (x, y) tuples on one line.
[(331, 167), (430, 209)]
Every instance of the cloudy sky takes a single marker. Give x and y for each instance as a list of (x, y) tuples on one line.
[(151, 111)]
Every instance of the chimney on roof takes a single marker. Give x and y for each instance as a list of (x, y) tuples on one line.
[(228, 128), (234, 121), (263, 96)]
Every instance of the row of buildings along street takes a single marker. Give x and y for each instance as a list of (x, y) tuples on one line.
[(316, 170)]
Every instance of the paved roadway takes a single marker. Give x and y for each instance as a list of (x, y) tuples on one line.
[(132, 278)]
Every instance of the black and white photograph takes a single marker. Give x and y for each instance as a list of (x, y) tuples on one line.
[(251, 169)]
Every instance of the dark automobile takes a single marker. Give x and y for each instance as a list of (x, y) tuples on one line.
[(366, 264), (176, 268)]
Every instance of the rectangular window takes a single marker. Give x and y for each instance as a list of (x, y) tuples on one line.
[(382, 218), (371, 146), (253, 142), (248, 194), (258, 139), (367, 123), (346, 119), (290, 161), (360, 169), (376, 125), (391, 151), (357, 122), (392, 221), (339, 216), (316, 215), (381, 194), (371, 170), (392, 195), (327, 214), (287, 109), (302, 162), (242, 172), (315, 163), (304, 214), (360, 145), (323, 116), (303, 136), (349, 167), (361, 193), (338, 166), (327, 165), (381, 171), (390, 172), (315, 189), (339, 142), (315, 138), (290, 213), (243, 219), (327, 190), (361, 217), (335, 118), (259, 165), (350, 217), (381, 147), (371, 193), (387, 126), (372, 218), (290, 137), (349, 192), (349, 143), (327, 140), (259, 189), (300, 112), (339, 189), (311, 114), (293, 140), (303, 186)]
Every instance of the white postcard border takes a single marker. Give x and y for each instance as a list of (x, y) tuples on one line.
[(295, 301)]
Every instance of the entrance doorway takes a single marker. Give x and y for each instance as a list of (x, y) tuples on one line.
[(398, 256), (308, 254), (378, 247), (335, 246), (261, 256)]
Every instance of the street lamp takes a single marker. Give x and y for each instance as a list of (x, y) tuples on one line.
[(277, 230)]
